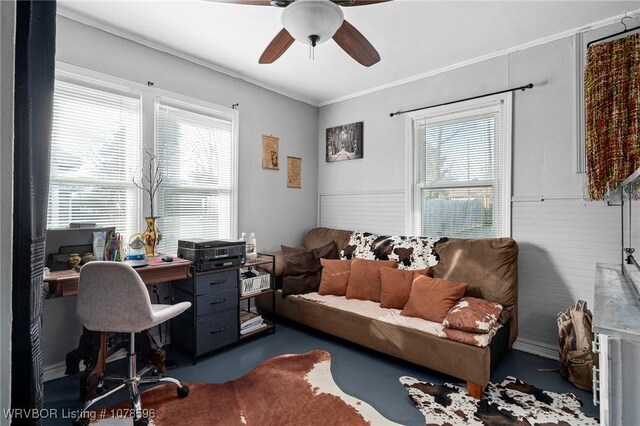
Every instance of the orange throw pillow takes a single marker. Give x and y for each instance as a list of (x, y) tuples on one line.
[(433, 298), (364, 281), (335, 277), (396, 286)]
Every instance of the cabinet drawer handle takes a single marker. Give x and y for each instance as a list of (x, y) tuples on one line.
[(218, 330), (216, 282), (215, 302)]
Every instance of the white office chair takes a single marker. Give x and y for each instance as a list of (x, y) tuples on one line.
[(113, 298)]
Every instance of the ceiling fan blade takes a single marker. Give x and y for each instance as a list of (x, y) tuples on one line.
[(277, 47), (351, 3), (356, 45)]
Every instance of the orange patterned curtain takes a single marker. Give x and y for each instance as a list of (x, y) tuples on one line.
[(612, 103)]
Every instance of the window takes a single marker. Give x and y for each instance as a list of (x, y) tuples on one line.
[(461, 183), (196, 154), (95, 152)]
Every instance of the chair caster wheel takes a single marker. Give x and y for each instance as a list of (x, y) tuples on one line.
[(183, 391), (141, 422), (82, 421)]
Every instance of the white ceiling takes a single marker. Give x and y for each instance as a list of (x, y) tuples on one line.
[(413, 37)]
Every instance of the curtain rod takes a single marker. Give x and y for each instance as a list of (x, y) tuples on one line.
[(523, 88), (612, 35)]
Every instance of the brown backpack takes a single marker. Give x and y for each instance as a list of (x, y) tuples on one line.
[(574, 345)]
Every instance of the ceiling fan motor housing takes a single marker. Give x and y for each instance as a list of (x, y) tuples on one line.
[(312, 21)]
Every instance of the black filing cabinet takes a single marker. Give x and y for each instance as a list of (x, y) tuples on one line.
[(212, 320)]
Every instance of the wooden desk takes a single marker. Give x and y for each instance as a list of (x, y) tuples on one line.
[(95, 347), (65, 283)]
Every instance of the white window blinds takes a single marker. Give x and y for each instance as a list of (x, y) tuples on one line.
[(95, 152), (460, 165), (196, 156)]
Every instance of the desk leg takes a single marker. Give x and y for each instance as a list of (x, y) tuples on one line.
[(149, 351), (95, 347), (95, 368), (88, 340)]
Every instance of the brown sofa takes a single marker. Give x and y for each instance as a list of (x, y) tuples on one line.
[(490, 268)]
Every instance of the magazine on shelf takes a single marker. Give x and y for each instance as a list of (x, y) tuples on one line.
[(250, 320), (254, 327)]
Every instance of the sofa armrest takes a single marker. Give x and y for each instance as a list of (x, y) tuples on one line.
[(279, 263)]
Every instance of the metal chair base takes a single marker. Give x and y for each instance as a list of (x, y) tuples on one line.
[(132, 383)]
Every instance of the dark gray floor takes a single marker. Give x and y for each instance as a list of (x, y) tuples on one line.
[(365, 374)]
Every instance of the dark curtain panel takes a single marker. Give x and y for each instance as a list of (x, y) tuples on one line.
[(612, 106), (34, 83)]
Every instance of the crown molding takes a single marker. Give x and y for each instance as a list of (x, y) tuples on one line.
[(210, 65), (62, 11), (538, 42)]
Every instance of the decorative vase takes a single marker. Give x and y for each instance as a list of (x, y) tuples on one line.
[(74, 260), (151, 236)]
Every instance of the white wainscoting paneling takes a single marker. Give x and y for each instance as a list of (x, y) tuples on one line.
[(379, 212), (560, 242)]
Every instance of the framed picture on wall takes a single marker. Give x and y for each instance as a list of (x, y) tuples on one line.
[(270, 152), (345, 142), (294, 172)]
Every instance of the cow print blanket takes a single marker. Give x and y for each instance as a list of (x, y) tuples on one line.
[(511, 402)]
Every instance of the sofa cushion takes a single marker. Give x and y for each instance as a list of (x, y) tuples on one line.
[(302, 269), (344, 313), (410, 252), (301, 274), (318, 237), (396, 286), (489, 267), (473, 315), (326, 251), (433, 298), (475, 339), (364, 280), (335, 277)]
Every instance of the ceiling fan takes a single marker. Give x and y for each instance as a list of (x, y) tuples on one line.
[(313, 22)]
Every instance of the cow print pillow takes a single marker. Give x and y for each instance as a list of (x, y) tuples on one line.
[(410, 252), (473, 315)]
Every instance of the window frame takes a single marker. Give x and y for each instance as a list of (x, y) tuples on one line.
[(216, 111), (82, 77), (148, 120), (452, 112)]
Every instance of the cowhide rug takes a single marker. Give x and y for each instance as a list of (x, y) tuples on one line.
[(285, 390), (512, 402)]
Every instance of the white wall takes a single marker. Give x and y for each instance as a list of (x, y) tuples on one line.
[(277, 214), (560, 238), (7, 47)]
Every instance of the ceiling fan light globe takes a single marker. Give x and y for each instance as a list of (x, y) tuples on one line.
[(304, 18)]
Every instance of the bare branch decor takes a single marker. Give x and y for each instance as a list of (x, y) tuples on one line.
[(151, 181)]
